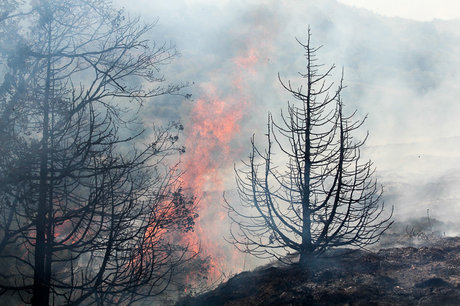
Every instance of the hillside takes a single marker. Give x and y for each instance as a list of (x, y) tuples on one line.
[(427, 275)]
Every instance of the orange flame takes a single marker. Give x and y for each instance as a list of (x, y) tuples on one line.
[(215, 124), (212, 130)]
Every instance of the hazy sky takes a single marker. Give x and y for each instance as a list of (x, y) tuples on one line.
[(423, 10)]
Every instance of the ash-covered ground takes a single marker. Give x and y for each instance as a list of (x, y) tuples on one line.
[(428, 274)]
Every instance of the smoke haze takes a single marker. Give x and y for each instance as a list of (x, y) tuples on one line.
[(404, 74)]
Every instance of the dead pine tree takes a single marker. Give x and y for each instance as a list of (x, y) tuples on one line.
[(318, 193)]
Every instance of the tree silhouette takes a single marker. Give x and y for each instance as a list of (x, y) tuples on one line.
[(87, 211), (324, 196)]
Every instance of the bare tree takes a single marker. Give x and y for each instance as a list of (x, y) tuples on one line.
[(87, 211), (9, 10), (324, 196)]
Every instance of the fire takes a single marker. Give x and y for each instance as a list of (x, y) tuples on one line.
[(213, 132), (214, 124), (249, 61)]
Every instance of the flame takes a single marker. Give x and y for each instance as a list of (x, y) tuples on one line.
[(212, 130), (215, 122), (248, 61)]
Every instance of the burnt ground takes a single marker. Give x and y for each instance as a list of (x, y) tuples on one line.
[(426, 275)]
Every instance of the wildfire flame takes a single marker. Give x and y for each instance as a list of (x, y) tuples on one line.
[(214, 123)]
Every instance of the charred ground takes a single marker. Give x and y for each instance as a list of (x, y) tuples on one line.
[(425, 275)]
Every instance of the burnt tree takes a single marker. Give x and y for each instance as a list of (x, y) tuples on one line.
[(317, 194), (87, 208)]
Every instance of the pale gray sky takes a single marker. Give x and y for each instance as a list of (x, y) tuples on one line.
[(422, 10)]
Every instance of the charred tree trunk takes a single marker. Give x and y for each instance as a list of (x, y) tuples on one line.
[(41, 286), (306, 250)]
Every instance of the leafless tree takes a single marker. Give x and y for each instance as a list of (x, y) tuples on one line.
[(87, 211), (324, 196), (9, 10)]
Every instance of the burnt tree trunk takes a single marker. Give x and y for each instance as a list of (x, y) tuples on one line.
[(41, 286)]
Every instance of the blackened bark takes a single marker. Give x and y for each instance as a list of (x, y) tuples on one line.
[(41, 289)]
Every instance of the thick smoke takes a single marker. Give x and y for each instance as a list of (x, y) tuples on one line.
[(404, 74)]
